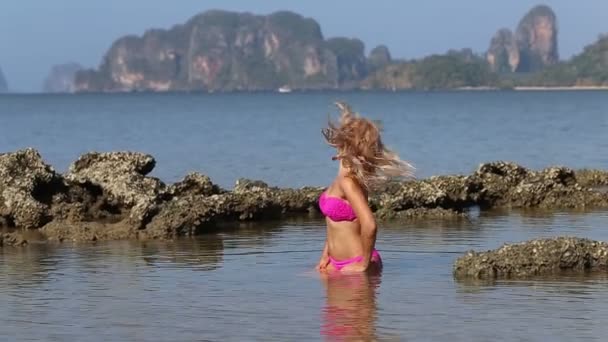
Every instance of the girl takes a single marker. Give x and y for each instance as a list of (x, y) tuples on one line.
[(364, 161)]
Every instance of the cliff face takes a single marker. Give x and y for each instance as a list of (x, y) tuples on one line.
[(503, 54), (3, 83), (225, 51), (61, 78), (532, 47), (350, 58), (536, 38)]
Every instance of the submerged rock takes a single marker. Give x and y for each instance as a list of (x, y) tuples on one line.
[(534, 258), (12, 239), (61, 231)]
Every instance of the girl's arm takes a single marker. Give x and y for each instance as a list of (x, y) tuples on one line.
[(358, 200), (324, 260)]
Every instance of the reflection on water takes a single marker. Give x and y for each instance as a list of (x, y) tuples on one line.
[(350, 311), (256, 282)]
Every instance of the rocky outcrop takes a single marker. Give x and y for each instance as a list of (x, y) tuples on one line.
[(195, 211), (510, 185), (503, 54), (592, 178), (379, 57), (536, 38), (533, 46), (228, 51), (61, 78), (111, 196), (351, 61), (534, 258), (122, 177), (3, 83), (26, 188)]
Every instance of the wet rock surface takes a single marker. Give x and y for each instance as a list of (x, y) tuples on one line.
[(110, 196), (592, 178), (12, 239), (534, 258), (122, 177), (26, 184)]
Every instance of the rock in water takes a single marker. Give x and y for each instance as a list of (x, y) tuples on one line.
[(26, 187), (536, 38), (61, 78), (122, 176), (534, 258)]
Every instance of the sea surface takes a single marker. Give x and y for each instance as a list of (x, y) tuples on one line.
[(255, 282)]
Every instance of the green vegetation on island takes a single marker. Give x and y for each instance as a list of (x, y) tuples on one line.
[(229, 51)]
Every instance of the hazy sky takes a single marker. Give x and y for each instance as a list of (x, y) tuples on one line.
[(35, 34)]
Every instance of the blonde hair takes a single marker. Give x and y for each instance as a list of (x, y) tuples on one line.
[(361, 150)]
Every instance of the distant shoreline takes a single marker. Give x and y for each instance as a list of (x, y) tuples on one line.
[(300, 91), (531, 88)]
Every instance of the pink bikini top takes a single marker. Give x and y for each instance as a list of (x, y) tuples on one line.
[(336, 208)]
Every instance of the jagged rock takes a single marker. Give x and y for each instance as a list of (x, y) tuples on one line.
[(194, 184), (503, 54), (510, 185), (190, 215), (26, 183), (534, 258), (121, 175), (61, 78), (450, 195), (220, 51), (351, 61), (108, 195), (592, 178), (497, 179), (244, 185), (536, 38)]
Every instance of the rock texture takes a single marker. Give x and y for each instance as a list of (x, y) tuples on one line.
[(350, 57), (111, 196), (536, 37), (26, 184), (531, 48), (228, 51), (61, 78), (122, 176), (503, 54), (534, 258)]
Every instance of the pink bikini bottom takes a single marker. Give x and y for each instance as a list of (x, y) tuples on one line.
[(342, 263)]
